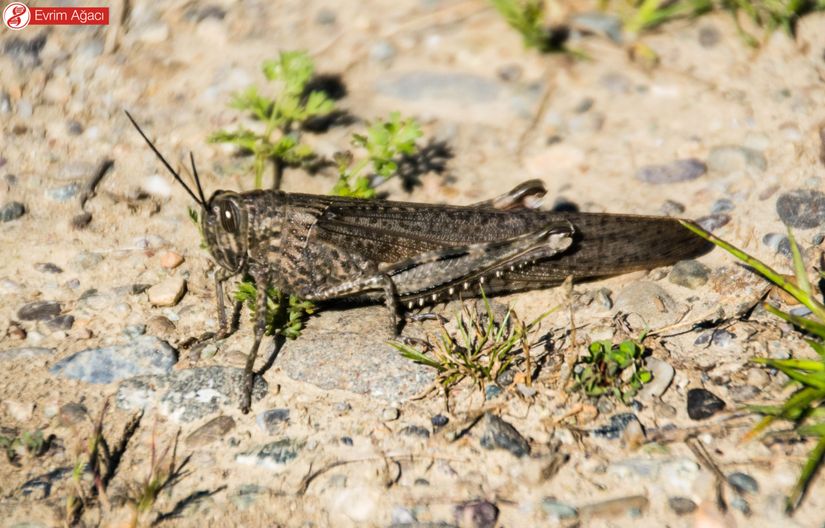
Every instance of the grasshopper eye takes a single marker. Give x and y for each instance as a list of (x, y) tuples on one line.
[(230, 215)]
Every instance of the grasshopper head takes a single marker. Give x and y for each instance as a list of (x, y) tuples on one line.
[(225, 226)]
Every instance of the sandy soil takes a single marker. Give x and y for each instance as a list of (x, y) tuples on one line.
[(584, 127)]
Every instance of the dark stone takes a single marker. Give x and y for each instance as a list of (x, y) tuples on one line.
[(618, 423), (671, 208), (72, 414), (723, 205), (476, 514), (272, 420), (273, 456), (12, 211), (26, 52), (708, 36), (439, 420), (743, 483), (681, 505), (499, 434), (802, 208), (702, 404), (61, 322), (48, 267), (415, 430), (39, 311), (713, 222), (672, 172), (346, 440)]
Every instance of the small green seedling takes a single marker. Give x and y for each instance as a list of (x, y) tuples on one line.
[(527, 17), (281, 116), (385, 142), (480, 349), (285, 315), (611, 369), (804, 408), (32, 443)]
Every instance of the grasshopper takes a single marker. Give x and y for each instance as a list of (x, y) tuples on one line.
[(324, 248)]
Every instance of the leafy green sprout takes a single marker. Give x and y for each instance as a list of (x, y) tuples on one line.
[(770, 15), (805, 408), (480, 349), (527, 17), (281, 116), (385, 142), (611, 369), (33, 443), (285, 314)]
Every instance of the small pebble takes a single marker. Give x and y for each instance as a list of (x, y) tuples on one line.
[(160, 325), (557, 510), (211, 431), (382, 51), (723, 205), (415, 430), (439, 420), (167, 293), (708, 37), (778, 242), (713, 222), (802, 208), (603, 297), (39, 311), (491, 392), (681, 505), (743, 483), (618, 423), (342, 408), (72, 414), (273, 456), (476, 514), (325, 17), (663, 373), (64, 192), (689, 273), (60, 323), (671, 208), (346, 440), (47, 267), (499, 434), (170, 260), (134, 330), (800, 311), (273, 420), (743, 393), (727, 159), (12, 211), (389, 414), (673, 172), (702, 404)]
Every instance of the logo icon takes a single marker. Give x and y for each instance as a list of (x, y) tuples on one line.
[(16, 15)]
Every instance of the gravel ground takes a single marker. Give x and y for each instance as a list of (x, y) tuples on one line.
[(96, 308)]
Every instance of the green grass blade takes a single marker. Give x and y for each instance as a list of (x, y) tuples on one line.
[(763, 269), (807, 474), (812, 430), (799, 266), (802, 322), (819, 348), (804, 364)]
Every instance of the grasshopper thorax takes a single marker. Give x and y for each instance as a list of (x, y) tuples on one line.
[(226, 227)]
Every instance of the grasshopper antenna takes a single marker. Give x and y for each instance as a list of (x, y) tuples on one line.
[(197, 178), (166, 164)]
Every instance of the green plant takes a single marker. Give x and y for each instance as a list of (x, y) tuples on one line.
[(144, 493), (384, 142), (285, 315), (33, 443), (805, 408), (481, 349), (641, 15), (612, 369), (281, 116), (527, 17)]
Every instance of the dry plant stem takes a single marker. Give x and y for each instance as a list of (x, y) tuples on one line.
[(699, 451), (571, 354), (538, 115)]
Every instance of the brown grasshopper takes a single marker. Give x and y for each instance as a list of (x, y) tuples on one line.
[(323, 248)]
